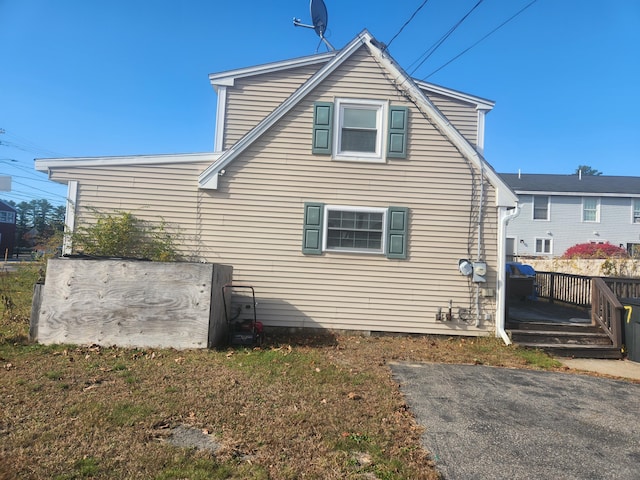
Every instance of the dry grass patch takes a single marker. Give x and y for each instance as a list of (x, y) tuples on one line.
[(301, 407)]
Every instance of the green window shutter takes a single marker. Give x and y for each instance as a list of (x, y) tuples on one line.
[(312, 233), (322, 128), (397, 138), (397, 232)]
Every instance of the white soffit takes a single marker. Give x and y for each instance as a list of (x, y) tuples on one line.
[(45, 164)]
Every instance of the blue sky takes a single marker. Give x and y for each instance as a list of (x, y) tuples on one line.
[(125, 77)]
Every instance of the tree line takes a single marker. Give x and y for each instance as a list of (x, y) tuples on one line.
[(37, 221)]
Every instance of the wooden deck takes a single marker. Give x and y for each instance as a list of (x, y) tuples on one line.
[(547, 312)]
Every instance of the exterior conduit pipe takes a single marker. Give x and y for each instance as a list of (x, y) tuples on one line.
[(479, 252), (502, 273)]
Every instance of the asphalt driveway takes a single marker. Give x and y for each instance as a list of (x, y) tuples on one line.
[(495, 423)]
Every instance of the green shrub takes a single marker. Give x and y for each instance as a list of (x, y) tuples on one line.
[(124, 235)]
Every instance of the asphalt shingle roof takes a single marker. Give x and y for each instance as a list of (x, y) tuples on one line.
[(533, 182)]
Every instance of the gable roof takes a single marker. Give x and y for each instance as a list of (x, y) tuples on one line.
[(6, 207), (208, 179), (573, 185), (228, 78)]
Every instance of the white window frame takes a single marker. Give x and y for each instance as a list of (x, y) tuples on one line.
[(533, 208), (597, 200), (545, 241), (381, 108), (7, 217), (345, 208), (635, 210)]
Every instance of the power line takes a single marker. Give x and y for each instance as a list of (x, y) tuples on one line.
[(483, 38), (431, 50), (406, 23), (26, 145), (40, 190)]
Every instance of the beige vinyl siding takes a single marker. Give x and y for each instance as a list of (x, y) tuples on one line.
[(157, 193), (463, 116), (264, 191), (251, 99), (254, 220)]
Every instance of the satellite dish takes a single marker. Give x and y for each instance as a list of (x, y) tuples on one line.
[(319, 18)]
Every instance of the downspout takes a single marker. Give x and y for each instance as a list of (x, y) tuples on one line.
[(70, 217), (502, 274), (479, 252)]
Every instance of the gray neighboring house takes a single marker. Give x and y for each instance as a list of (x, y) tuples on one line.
[(559, 211)]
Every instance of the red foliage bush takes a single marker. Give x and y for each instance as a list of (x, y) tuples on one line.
[(595, 250)]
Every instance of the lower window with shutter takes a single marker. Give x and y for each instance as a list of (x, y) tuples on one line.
[(373, 230)]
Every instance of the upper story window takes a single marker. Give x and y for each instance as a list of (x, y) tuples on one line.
[(636, 210), (360, 130), (7, 217), (540, 207), (590, 209)]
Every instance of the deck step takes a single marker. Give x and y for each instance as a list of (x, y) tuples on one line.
[(554, 327), (560, 337), (576, 351)]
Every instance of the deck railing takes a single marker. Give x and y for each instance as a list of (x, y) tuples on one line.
[(607, 311), (623, 287), (564, 287)]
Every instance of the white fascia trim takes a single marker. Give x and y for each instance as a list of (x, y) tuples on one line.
[(46, 164), (208, 179), (480, 133), (220, 116), (228, 77), (480, 103), (504, 195), (70, 217), (577, 194)]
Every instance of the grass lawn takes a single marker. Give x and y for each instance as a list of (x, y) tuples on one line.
[(305, 406)]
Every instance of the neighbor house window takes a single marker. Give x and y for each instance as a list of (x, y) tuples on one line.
[(590, 209), (634, 249), (355, 129), (543, 246), (7, 217), (332, 228), (540, 207), (636, 210)]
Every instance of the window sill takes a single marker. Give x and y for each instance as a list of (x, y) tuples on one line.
[(358, 158), (357, 252)]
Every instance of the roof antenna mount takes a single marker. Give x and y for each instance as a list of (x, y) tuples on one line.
[(319, 18)]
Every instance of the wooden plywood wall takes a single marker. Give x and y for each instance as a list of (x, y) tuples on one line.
[(132, 304)]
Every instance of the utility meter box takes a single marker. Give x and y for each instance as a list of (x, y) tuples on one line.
[(479, 272)]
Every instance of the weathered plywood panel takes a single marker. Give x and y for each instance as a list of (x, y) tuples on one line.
[(129, 303)]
